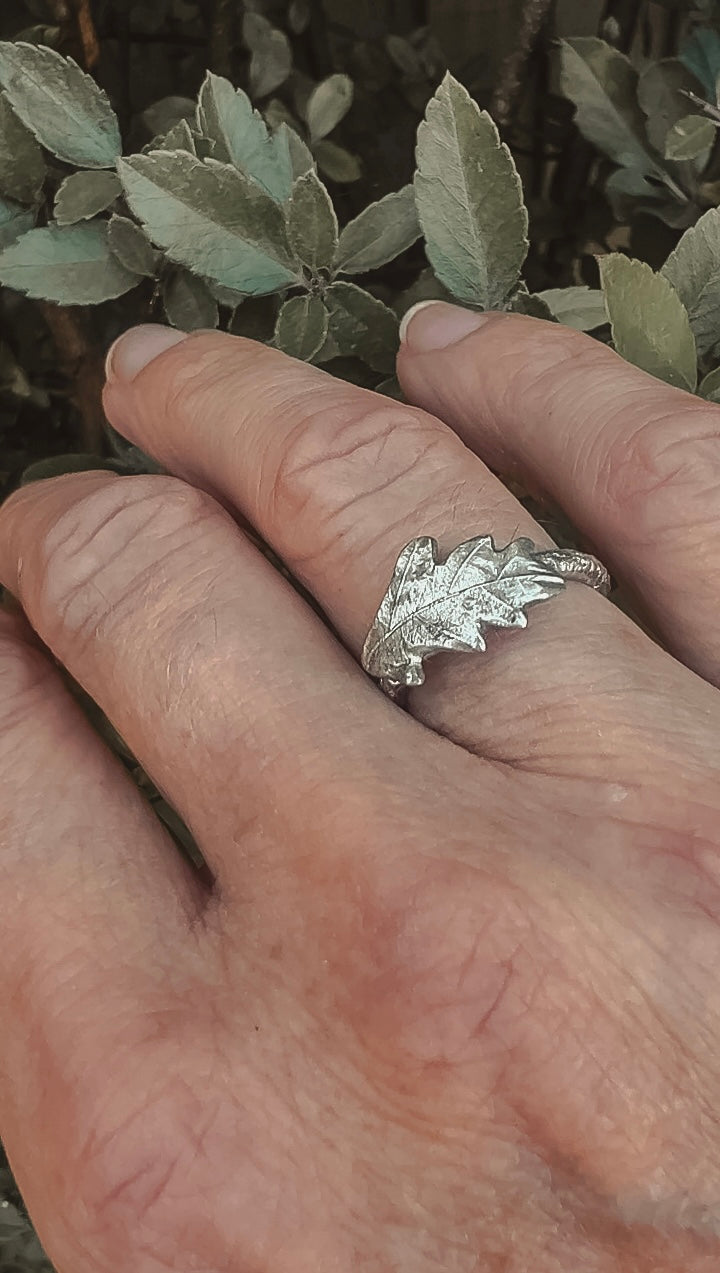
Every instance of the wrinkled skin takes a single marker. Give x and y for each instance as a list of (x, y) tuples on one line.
[(448, 997)]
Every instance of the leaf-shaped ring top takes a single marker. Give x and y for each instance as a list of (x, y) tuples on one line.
[(432, 605)]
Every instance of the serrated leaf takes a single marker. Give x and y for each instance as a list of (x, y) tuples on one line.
[(72, 265), (693, 269), (580, 307), (83, 194), (22, 166), (14, 221), (690, 137), (380, 233), (432, 606), (179, 137), (271, 60), (710, 386), (188, 302), (65, 109), (603, 84), (131, 246), (226, 116), (469, 200), (312, 224), (361, 326), (650, 325), (211, 218), (302, 326), (530, 304), (301, 159), (337, 163), (328, 103)]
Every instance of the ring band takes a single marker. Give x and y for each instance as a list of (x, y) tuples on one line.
[(432, 605)]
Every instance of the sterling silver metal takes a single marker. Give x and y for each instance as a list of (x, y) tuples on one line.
[(432, 605)]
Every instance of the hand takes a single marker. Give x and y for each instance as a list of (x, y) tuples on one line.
[(452, 999)]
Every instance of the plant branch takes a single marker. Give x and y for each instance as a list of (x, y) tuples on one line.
[(74, 17), (82, 365), (510, 79)]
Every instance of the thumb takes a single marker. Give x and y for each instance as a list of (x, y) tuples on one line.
[(634, 462)]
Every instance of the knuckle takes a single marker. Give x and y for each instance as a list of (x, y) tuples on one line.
[(662, 472), (327, 470), (456, 959), (96, 557)]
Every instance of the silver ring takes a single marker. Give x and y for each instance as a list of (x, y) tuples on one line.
[(433, 605)]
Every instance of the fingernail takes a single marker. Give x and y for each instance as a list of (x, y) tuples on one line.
[(435, 325), (136, 348)]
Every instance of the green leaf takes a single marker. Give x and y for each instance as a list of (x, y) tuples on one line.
[(525, 302), (361, 326), (255, 318), (580, 307), (179, 137), (700, 53), (603, 84), (14, 221), (211, 218), (328, 103), (240, 135), (302, 326), (188, 303), (710, 386), (72, 265), (83, 194), (380, 233), (22, 166), (469, 200), (312, 224), (690, 137), (650, 325), (406, 58), (661, 95), (301, 159), (299, 16), (337, 163), (271, 60), (60, 104), (164, 116), (693, 269), (131, 246)]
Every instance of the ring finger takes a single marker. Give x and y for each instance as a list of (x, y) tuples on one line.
[(337, 479)]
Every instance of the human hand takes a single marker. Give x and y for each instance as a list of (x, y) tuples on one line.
[(452, 1002)]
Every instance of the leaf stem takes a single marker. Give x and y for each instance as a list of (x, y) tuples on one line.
[(82, 364)]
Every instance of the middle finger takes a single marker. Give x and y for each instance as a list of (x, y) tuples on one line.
[(337, 479)]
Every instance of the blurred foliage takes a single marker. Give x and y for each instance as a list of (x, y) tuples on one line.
[(350, 177)]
